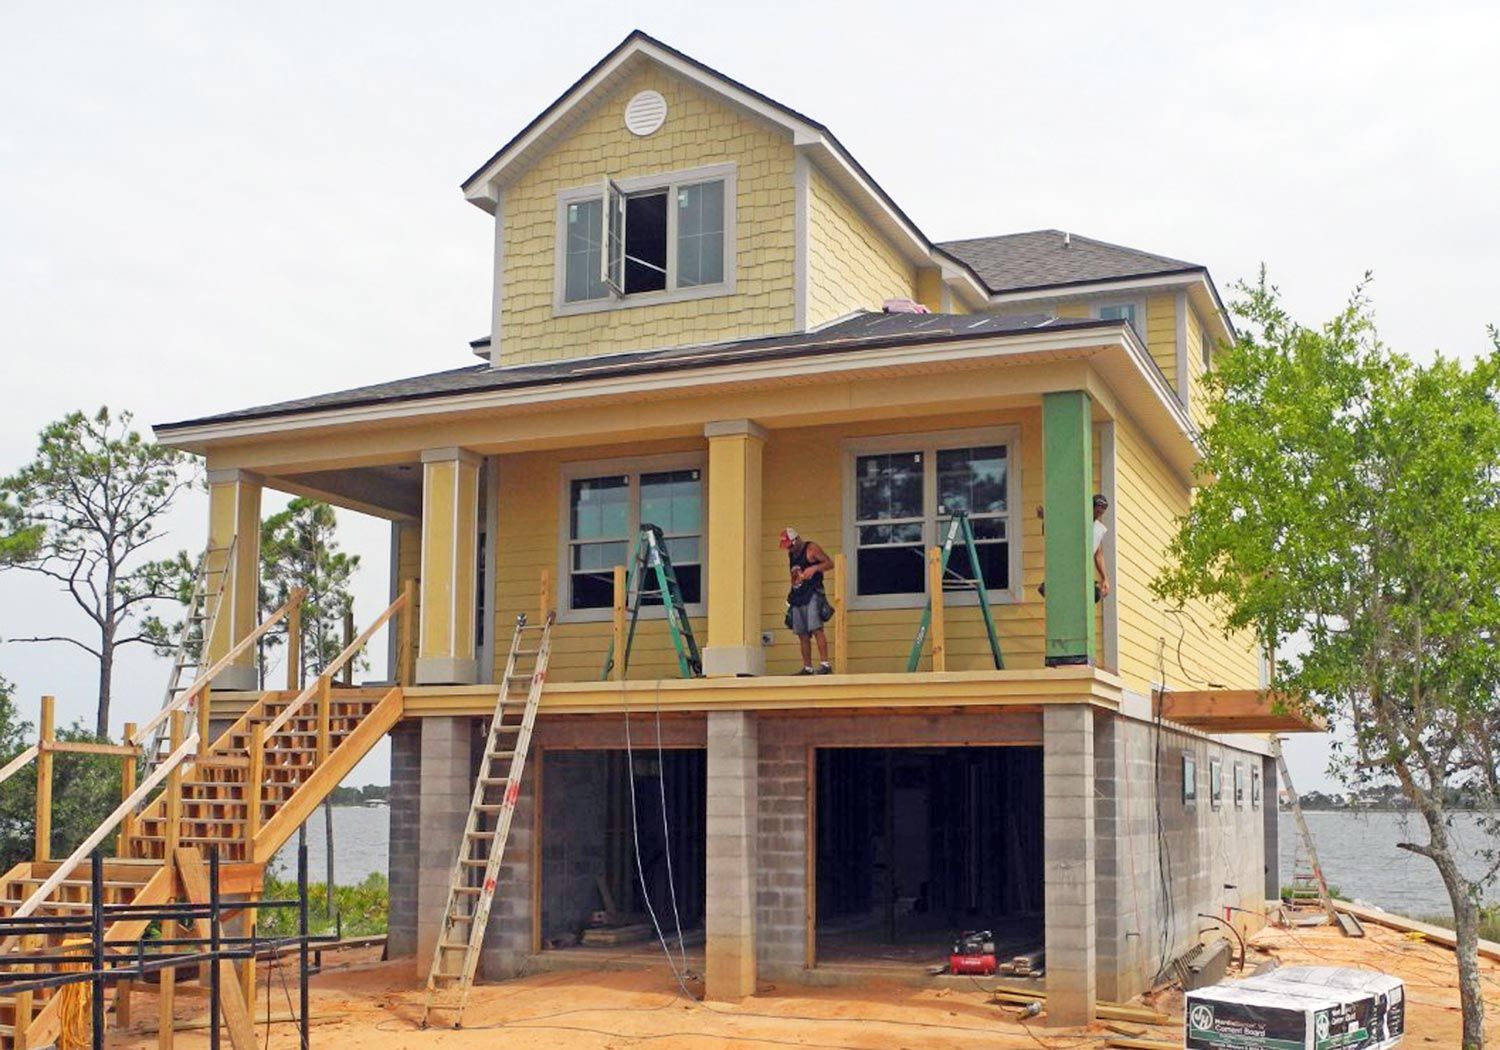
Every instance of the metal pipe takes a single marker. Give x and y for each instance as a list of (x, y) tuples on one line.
[(1215, 918), (302, 1020), (96, 943), (214, 946)]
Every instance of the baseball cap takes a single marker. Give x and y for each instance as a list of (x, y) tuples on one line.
[(788, 537)]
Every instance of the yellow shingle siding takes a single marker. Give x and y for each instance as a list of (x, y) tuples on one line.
[(1161, 333), (699, 131), (1197, 392), (850, 266), (1186, 647)]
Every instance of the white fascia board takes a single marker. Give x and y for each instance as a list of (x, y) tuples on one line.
[(1162, 282), (1132, 358), (481, 190)]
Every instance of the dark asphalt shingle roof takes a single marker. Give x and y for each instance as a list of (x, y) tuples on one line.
[(1050, 258), (861, 332)]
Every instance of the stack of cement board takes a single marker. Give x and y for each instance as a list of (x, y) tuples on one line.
[(1299, 1008)]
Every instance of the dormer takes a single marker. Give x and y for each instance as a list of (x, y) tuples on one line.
[(659, 203)]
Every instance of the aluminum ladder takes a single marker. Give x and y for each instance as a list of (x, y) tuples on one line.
[(487, 829), (192, 640), (1310, 883), (960, 529), (650, 565)]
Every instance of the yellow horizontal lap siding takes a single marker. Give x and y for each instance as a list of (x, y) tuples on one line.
[(530, 534), (1072, 310), (804, 487), (850, 266), (698, 131), (1188, 649)]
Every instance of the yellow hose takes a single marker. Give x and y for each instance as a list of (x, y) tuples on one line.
[(74, 1003)]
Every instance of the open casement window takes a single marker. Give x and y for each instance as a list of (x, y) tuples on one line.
[(605, 515), (644, 240), (1132, 313), (904, 499)]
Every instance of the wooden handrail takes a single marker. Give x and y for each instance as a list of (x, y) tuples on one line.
[(204, 680), (35, 901), (300, 700), (18, 763)]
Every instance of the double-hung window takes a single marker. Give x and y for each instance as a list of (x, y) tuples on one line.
[(606, 506), (646, 240), (903, 493), (1132, 313)]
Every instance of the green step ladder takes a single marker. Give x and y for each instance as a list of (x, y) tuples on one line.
[(959, 528), (651, 563)]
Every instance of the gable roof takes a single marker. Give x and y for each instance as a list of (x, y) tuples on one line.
[(1054, 258), (865, 331), (557, 119)]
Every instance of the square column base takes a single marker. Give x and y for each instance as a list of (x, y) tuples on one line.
[(447, 670), (733, 661), (237, 678)]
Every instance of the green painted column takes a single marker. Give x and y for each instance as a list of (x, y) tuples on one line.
[(1068, 486)]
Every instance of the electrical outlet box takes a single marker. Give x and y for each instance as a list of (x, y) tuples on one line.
[(765, 638)]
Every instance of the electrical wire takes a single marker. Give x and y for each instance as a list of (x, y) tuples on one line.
[(666, 830)]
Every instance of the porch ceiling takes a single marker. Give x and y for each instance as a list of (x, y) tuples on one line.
[(1237, 711), (392, 490)]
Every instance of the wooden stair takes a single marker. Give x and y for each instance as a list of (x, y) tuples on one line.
[(219, 800)]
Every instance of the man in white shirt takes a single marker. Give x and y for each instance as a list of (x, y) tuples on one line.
[(1101, 505)]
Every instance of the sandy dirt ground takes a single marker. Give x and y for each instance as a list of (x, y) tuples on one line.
[(363, 1003)]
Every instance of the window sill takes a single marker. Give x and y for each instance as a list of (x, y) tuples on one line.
[(655, 612), (951, 600), (630, 302)]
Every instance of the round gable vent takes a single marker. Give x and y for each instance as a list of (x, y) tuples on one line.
[(645, 113)]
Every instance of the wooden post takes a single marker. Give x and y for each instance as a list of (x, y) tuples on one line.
[(325, 703), (205, 703), (294, 647), (127, 787), (935, 589), (173, 806), (618, 623), (840, 614), (44, 781), (23, 1000), (408, 633), (545, 597), (348, 671), (254, 786)]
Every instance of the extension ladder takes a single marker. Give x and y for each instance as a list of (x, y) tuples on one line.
[(959, 528), (651, 558), (483, 847), (1308, 883), (192, 640)]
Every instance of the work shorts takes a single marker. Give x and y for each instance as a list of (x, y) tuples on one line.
[(807, 617)]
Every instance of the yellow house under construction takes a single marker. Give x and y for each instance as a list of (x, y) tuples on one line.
[(709, 317)]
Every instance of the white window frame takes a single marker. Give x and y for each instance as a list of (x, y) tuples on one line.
[(634, 466), (928, 443), (671, 182), (1097, 307)]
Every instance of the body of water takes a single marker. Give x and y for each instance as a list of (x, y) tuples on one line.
[(361, 844), (1358, 851), (1359, 856)]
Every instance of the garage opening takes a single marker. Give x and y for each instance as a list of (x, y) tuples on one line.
[(592, 895), (918, 845)]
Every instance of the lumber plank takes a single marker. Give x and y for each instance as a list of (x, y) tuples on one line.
[(1237, 710), (1126, 1043), (194, 875), (1436, 934)]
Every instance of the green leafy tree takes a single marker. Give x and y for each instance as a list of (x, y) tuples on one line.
[(1354, 516), (82, 513), (299, 548), (85, 789)]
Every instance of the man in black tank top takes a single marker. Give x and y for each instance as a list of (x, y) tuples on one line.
[(807, 605)]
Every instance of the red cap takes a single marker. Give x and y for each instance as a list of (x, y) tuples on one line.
[(788, 537)]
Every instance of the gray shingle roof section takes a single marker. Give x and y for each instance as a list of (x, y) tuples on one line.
[(1052, 258), (864, 331)]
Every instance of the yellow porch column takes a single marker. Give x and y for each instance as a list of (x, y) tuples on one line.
[(734, 526), (233, 518), (450, 546)]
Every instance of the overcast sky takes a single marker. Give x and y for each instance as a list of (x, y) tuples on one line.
[(207, 206)]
